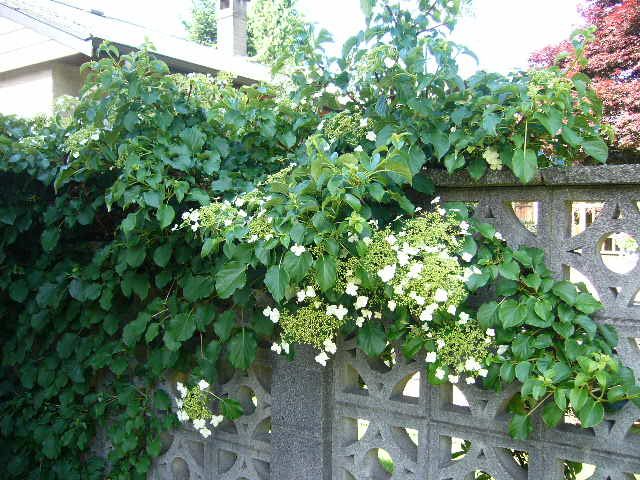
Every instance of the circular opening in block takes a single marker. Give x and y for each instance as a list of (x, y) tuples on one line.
[(619, 252)]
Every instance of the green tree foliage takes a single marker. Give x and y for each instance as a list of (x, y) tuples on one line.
[(274, 28), (203, 25), (102, 296)]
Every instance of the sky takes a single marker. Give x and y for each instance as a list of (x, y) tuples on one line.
[(502, 33)]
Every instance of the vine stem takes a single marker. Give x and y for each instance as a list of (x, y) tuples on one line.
[(539, 404)]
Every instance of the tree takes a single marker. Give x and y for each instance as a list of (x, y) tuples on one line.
[(273, 27), (613, 61), (203, 27)]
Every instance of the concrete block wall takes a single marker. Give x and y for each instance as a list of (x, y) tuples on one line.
[(307, 422)]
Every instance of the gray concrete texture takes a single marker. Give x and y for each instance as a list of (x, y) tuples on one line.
[(345, 421)]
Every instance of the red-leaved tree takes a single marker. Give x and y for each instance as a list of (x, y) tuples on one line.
[(613, 61)]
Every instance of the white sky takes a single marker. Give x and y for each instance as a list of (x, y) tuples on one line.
[(502, 33)]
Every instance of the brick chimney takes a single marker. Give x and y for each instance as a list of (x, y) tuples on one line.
[(232, 27)]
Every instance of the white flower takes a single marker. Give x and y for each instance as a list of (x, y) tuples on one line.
[(440, 343), (420, 300), (415, 270), (185, 215), (228, 223), (367, 240), (391, 305), (216, 420), (502, 349), (498, 236), (427, 314), (351, 289), (435, 200), (179, 402), (272, 313), (360, 322), (182, 416), (242, 213), (310, 292), (343, 99), (361, 302), (391, 239), (338, 311), (431, 357), (239, 202), (387, 273), (483, 372), (453, 378), (464, 226), (403, 258), (442, 211), (441, 295), (301, 295), (472, 365), (470, 380), (451, 309), (276, 348), (491, 332), (439, 373), (199, 423), (464, 318), (329, 346), (364, 122), (285, 347), (203, 384), (182, 389), (298, 250), (466, 256), (331, 89), (389, 62), (205, 432), (492, 158), (371, 136), (358, 149), (322, 358)]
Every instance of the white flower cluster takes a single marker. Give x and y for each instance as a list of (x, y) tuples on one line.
[(329, 348), (272, 313), (199, 424)]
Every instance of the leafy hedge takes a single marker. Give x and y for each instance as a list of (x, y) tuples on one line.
[(103, 295)]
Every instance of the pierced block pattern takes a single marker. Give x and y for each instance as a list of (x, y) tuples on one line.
[(239, 450)]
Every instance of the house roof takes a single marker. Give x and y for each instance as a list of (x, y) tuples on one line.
[(81, 31)]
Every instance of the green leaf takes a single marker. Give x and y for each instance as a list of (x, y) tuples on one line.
[(134, 330), (422, 184), (372, 339), (242, 349), (165, 215), (231, 409), (510, 313), (524, 165), (50, 239), (367, 7), (197, 287), (487, 315), (522, 371), (18, 291), (566, 291), (297, 266), (66, 345), (135, 255), (596, 148), (224, 325), (130, 120), (162, 255), (578, 398), (520, 427), (587, 304), (552, 415), (591, 414), (277, 282), (510, 270), (326, 272), (231, 277), (571, 137), (353, 202), (182, 327), (489, 122)]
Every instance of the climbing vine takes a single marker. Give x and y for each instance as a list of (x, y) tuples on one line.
[(167, 226)]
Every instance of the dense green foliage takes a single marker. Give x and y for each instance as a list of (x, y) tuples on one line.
[(275, 28), (134, 246)]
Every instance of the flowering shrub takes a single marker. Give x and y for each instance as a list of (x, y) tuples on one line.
[(173, 225)]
